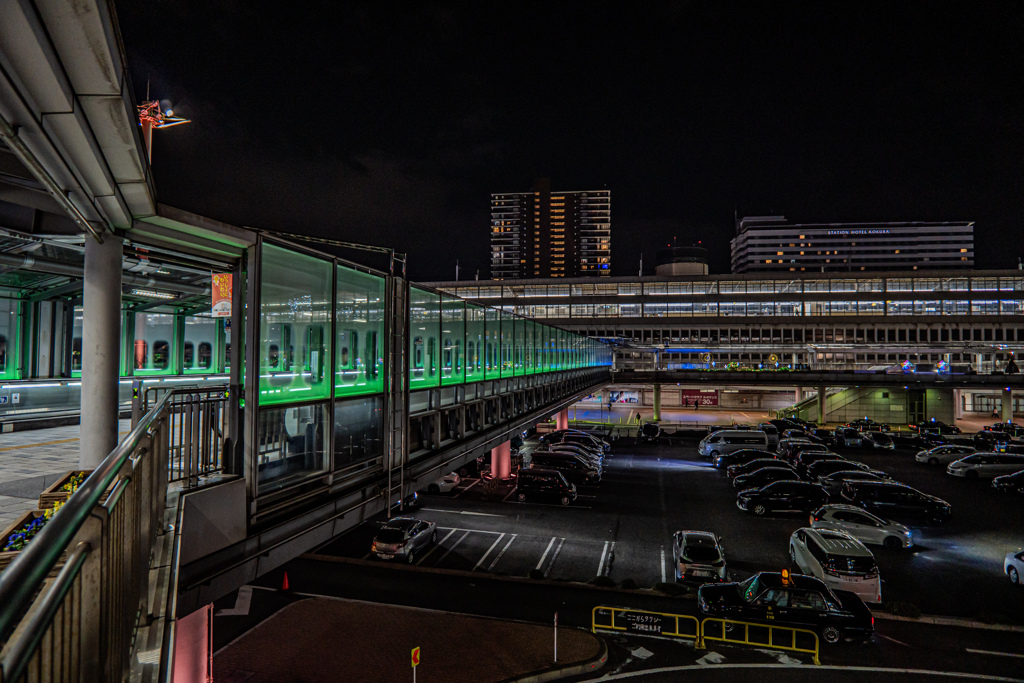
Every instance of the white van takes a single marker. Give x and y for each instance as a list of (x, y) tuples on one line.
[(728, 440), (838, 559)]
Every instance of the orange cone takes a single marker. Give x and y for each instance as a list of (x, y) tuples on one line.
[(284, 584)]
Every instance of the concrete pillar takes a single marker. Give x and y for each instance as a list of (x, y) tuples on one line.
[(501, 461), (822, 415), (101, 349), (192, 647), (798, 395), (958, 404), (562, 419), (1007, 404), (657, 402)]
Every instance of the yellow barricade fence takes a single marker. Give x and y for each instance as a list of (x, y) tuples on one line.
[(644, 622), (741, 632)]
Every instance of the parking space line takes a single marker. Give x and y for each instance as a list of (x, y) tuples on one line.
[(604, 556), (496, 559), (546, 551), (554, 557), (993, 652), (481, 560), (466, 489), (436, 546), (454, 546), (663, 564)]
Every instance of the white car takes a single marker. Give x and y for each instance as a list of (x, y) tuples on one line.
[(839, 560), (943, 455), (444, 484), (862, 525), (986, 465), (1013, 566), (698, 556)]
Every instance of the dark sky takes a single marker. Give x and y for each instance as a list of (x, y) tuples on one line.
[(392, 122)]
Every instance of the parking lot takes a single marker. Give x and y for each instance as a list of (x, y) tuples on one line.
[(621, 529)]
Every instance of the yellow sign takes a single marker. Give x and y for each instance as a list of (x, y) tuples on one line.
[(773, 358), (415, 657)]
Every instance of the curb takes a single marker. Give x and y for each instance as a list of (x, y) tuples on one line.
[(588, 666), (949, 621)]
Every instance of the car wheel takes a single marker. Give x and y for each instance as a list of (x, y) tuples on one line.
[(409, 557), (760, 510), (831, 635), (1014, 576), (433, 488), (933, 461), (433, 536), (971, 474), (892, 543), (565, 500), (521, 497)]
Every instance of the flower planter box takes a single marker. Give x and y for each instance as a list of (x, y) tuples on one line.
[(53, 493), (6, 557)]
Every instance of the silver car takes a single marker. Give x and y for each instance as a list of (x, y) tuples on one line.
[(986, 465), (403, 538), (698, 556), (862, 525), (943, 455)]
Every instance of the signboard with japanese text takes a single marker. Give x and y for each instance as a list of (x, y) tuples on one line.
[(221, 295)]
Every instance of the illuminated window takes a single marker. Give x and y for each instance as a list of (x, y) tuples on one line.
[(963, 251), (778, 253)]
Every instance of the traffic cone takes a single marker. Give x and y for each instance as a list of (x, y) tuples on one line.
[(284, 584)]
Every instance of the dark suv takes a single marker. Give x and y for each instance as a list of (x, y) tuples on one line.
[(893, 500), (782, 495), (541, 484)]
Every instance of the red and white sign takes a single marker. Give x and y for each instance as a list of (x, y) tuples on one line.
[(704, 398), (221, 295)]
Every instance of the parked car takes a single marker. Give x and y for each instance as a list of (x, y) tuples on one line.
[(403, 537), (444, 484), (596, 459), (848, 437), (789, 600), (765, 476), (573, 467), (803, 434), (943, 455), (915, 440), (991, 441), (807, 458), (772, 432), (824, 436), (541, 484), (838, 559), (576, 436), (793, 450), (1010, 428), (865, 424), (862, 525), (879, 440), (833, 483), (650, 432), (942, 427), (986, 465), (821, 468), (751, 465), (1010, 483), (1013, 566), (782, 495), (895, 501), (729, 440), (698, 556), (740, 457)]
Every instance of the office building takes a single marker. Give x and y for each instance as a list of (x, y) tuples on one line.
[(542, 234), (771, 244)]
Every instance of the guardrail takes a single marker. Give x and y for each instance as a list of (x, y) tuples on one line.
[(644, 622), (81, 625), (197, 430)]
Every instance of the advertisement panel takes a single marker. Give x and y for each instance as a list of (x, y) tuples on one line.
[(221, 295), (702, 397)]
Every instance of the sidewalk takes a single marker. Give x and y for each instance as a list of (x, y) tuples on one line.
[(322, 640)]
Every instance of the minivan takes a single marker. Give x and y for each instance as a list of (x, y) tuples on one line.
[(729, 440), (575, 469), (838, 559), (893, 500), (540, 484)]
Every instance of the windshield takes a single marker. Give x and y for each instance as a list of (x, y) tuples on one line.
[(852, 565), (704, 554), (749, 589), (391, 536)]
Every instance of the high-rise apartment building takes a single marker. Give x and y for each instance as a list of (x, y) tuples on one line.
[(550, 234), (770, 243)]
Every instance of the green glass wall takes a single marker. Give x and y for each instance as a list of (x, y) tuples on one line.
[(475, 342), (453, 340), (424, 348), (201, 349), (492, 344), (359, 333), (10, 333), (507, 337)]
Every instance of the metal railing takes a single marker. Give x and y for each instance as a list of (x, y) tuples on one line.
[(197, 430), (725, 634), (80, 626), (644, 622)]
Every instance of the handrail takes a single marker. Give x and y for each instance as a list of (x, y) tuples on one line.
[(23, 577)]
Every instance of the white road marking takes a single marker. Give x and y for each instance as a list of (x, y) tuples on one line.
[(604, 556), (493, 564), (993, 652), (546, 551), (466, 489), (481, 560), (711, 658), (461, 512), (823, 667), (898, 642), (436, 546), (554, 557), (663, 564), (454, 546)]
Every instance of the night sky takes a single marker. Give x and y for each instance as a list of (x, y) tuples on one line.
[(391, 123)]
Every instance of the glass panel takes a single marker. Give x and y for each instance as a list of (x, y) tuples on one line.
[(358, 430), (492, 344), (507, 335), (895, 284), (359, 330), (290, 444), (295, 327), (154, 337), (453, 333), (519, 346), (76, 342), (201, 340), (531, 348), (475, 333), (9, 338), (424, 348)]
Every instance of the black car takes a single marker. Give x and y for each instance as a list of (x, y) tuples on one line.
[(991, 441), (795, 600), (1010, 483), (792, 452), (801, 433), (824, 436), (807, 458), (822, 468), (534, 483), (752, 465), (892, 500), (739, 457), (1007, 428), (765, 476), (574, 468), (782, 495), (867, 425), (941, 427)]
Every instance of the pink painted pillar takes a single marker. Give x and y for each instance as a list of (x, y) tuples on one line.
[(562, 419), (192, 653), (501, 461)]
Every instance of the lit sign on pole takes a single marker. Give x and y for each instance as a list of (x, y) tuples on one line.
[(221, 295)]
